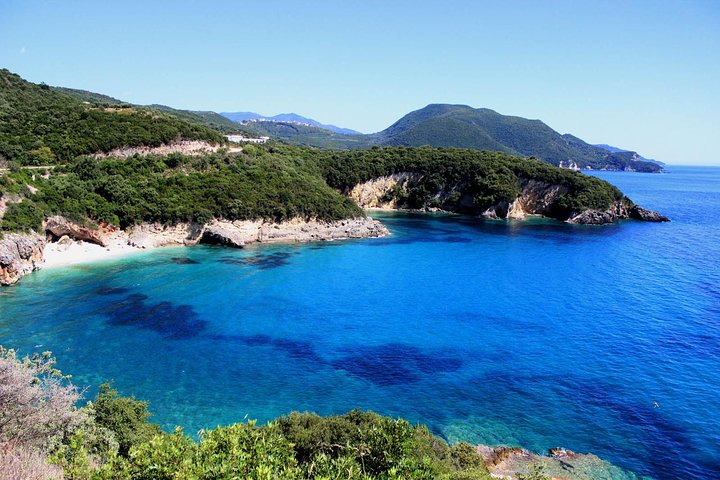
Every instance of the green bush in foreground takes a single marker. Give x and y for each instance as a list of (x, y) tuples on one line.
[(112, 438)]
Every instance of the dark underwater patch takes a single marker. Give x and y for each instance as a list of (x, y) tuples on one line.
[(111, 291), (261, 261), (295, 349), (395, 364), (184, 261), (322, 245), (172, 321)]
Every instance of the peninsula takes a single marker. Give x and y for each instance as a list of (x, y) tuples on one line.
[(82, 177)]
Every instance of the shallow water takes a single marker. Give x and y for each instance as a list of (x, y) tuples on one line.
[(532, 333)]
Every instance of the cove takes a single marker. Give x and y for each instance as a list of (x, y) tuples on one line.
[(530, 333)]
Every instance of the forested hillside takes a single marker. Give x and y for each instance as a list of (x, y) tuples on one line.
[(41, 126), (460, 126)]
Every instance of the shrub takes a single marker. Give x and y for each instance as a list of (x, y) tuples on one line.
[(125, 417), (37, 404)]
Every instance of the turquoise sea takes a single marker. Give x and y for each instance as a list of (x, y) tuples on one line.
[(536, 333)]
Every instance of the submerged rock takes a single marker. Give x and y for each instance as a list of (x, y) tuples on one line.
[(19, 255)]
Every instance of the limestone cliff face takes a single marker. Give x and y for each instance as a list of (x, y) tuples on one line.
[(536, 198), (19, 255), (240, 233), (59, 227), (375, 193)]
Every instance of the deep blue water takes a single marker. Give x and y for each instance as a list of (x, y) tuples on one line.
[(532, 333)]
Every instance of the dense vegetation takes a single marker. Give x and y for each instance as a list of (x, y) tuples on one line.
[(460, 126), (308, 136), (41, 126), (50, 131), (44, 434), (207, 119), (257, 184), (278, 182), (478, 179)]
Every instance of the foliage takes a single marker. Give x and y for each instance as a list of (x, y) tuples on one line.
[(460, 126), (147, 189), (18, 462), (125, 417), (37, 405), (279, 182), (537, 472), (484, 177), (39, 126)]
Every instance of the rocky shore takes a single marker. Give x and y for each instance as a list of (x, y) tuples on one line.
[(66, 243), (558, 464), (536, 198)]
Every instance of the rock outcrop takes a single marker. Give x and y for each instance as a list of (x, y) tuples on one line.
[(71, 243), (59, 227), (19, 255), (375, 193), (185, 147), (153, 235), (536, 198), (240, 233), (639, 213), (619, 211), (559, 464)]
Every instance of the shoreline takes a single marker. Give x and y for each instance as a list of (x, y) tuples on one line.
[(55, 255), (23, 254)]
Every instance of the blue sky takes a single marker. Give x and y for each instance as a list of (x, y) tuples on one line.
[(639, 75)]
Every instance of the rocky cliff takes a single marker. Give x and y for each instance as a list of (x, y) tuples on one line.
[(19, 255), (558, 464), (68, 242), (535, 198)]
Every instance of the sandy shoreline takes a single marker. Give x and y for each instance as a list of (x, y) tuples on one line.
[(147, 237), (58, 255)]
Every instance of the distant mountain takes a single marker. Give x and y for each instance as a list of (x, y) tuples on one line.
[(437, 125), (612, 149), (461, 126), (287, 117)]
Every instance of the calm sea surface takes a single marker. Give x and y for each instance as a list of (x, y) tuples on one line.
[(531, 333)]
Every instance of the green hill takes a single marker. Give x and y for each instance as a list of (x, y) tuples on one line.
[(206, 119), (40, 126), (307, 136), (460, 126)]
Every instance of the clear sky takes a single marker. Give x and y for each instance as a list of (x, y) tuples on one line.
[(639, 75)]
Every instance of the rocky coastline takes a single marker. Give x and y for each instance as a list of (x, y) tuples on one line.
[(559, 464), (536, 198), (65, 242)]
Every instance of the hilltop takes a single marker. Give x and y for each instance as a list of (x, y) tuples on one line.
[(41, 126), (92, 115), (60, 183), (461, 126), (288, 118)]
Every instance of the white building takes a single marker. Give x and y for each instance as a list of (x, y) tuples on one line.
[(237, 138)]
